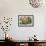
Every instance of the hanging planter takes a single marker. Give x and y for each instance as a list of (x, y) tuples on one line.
[(36, 3)]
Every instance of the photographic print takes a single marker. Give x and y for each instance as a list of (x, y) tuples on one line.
[(25, 20)]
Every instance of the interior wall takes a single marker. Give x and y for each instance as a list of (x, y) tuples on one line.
[(13, 8)]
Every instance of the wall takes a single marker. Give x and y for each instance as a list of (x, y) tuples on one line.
[(13, 8)]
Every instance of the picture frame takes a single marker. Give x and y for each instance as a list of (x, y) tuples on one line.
[(25, 20)]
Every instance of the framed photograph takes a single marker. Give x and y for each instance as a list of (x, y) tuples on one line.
[(25, 20)]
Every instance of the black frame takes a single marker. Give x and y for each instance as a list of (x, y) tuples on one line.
[(26, 26)]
